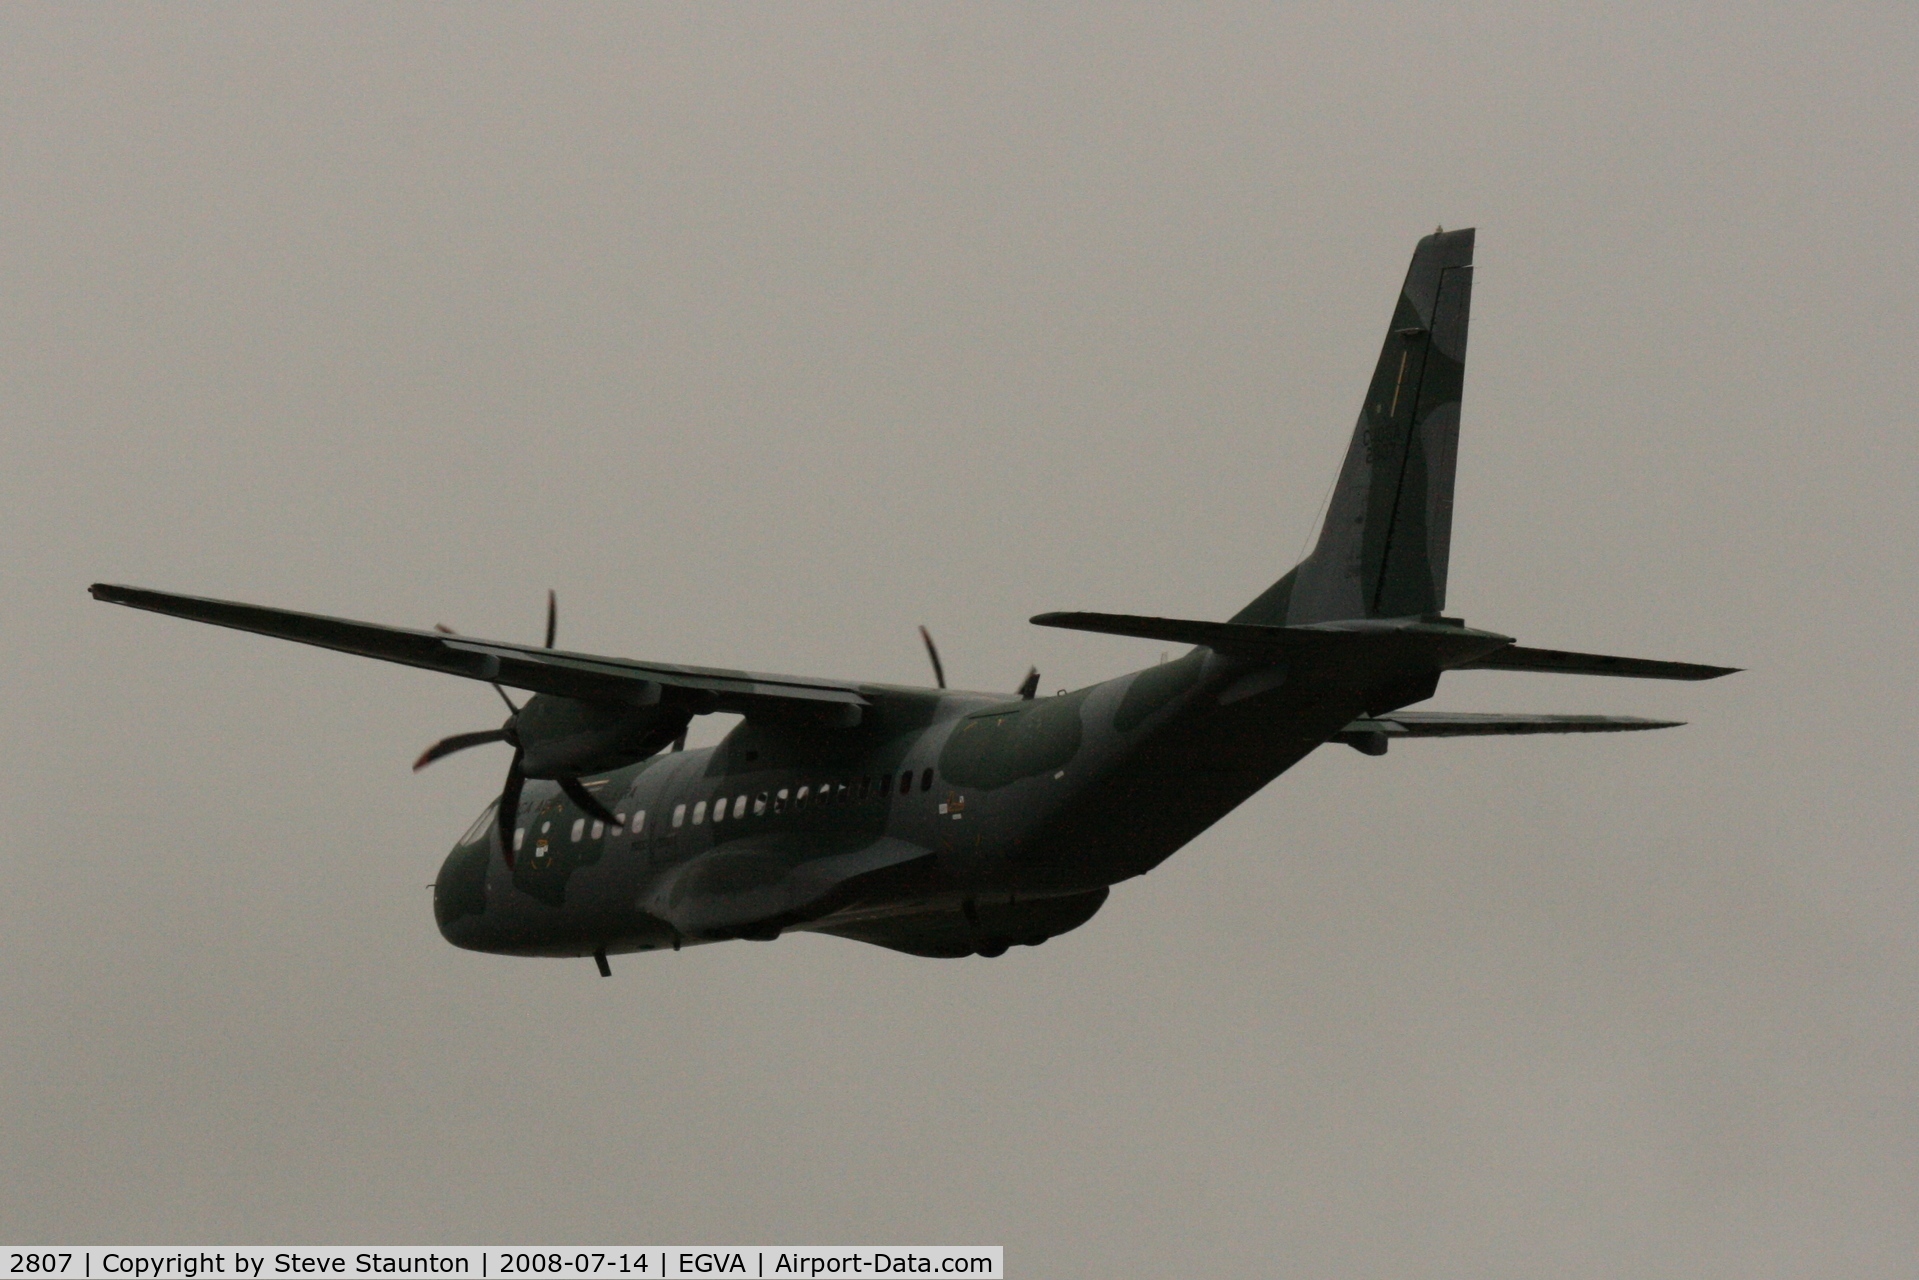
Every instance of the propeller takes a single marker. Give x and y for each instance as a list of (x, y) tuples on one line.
[(933, 652), (1027, 687), (515, 771), (460, 742), (576, 792)]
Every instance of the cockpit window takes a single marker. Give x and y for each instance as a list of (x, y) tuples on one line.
[(478, 830)]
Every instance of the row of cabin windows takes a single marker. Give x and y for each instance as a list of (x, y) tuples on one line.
[(787, 801), (777, 802), (579, 828)]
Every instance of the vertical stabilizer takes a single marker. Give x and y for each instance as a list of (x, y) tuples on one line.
[(1382, 551)]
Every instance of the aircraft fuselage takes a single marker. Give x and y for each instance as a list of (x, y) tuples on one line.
[(989, 811)]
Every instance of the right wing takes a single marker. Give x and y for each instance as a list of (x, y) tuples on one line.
[(553, 671)]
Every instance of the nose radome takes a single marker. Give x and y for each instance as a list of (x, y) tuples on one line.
[(459, 894)]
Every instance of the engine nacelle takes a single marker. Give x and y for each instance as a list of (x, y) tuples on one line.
[(567, 737)]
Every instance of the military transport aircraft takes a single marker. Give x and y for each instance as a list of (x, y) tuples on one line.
[(944, 823)]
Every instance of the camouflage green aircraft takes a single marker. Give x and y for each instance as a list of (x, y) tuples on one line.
[(945, 823)]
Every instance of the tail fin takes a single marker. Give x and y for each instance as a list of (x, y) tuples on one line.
[(1382, 551)]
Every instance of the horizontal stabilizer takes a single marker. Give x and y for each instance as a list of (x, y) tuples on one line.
[(1452, 647), (1440, 646), (1559, 662), (1371, 735), (1473, 724)]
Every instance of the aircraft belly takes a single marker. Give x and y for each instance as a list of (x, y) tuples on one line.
[(955, 927), (758, 885)]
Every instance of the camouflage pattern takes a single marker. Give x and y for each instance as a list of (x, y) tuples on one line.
[(946, 823)]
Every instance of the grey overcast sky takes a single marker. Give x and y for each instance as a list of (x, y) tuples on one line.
[(766, 333)]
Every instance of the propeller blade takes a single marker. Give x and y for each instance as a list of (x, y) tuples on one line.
[(1030, 685), (552, 617), (932, 651), (458, 742), (576, 792), (510, 807)]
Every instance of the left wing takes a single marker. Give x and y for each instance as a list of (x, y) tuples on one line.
[(1372, 734), (554, 671)]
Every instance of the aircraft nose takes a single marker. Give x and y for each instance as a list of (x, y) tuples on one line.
[(459, 896)]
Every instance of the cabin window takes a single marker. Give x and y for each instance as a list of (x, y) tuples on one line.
[(926, 778), (799, 799), (906, 782), (599, 828), (579, 826), (779, 800), (619, 823), (699, 813), (519, 839), (639, 820), (759, 804), (739, 806), (866, 785), (843, 792), (719, 811), (679, 814)]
